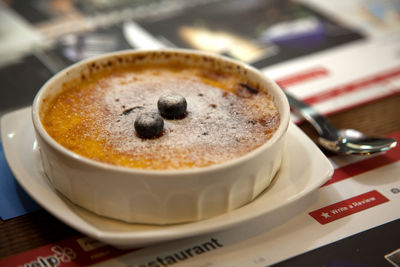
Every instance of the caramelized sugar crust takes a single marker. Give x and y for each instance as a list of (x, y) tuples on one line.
[(226, 117)]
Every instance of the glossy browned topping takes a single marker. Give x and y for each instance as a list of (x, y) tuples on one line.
[(226, 117)]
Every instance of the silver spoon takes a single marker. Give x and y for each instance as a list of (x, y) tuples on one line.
[(345, 141)]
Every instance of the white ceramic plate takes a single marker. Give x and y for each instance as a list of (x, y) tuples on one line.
[(304, 169)]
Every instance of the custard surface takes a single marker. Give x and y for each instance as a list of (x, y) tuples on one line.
[(225, 119)]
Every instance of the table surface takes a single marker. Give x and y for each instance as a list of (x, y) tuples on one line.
[(35, 229), (40, 228)]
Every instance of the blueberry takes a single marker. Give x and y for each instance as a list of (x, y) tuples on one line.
[(149, 125), (172, 106)]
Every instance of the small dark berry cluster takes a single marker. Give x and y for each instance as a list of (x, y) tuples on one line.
[(149, 125), (170, 106)]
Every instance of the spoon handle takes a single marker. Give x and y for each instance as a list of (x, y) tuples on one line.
[(319, 122)]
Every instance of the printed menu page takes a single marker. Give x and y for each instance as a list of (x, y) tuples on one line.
[(353, 200), (343, 77)]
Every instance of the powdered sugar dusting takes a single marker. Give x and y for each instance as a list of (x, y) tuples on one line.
[(219, 125)]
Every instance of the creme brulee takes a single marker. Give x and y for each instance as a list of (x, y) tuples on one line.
[(226, 117)]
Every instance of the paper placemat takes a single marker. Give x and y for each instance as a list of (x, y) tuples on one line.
[(363, 193)]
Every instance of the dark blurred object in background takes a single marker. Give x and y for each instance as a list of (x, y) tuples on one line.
[(20, 81)]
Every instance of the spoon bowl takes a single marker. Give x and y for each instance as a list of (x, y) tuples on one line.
[(344, 141), (351, 141)]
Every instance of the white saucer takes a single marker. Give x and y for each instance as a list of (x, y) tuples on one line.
[(304, 169)]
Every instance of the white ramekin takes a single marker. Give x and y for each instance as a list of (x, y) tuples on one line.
[(153, 196)]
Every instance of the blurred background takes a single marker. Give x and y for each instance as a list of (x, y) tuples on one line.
[(40, 37)]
